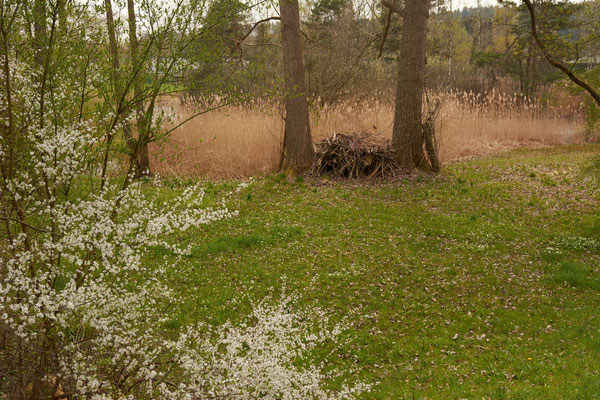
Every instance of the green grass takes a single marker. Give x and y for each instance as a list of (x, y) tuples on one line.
[(483, 282), (577, 275)]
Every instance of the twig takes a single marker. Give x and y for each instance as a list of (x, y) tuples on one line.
[(385, 32), (393, 7), (256, 24), (35, 228)]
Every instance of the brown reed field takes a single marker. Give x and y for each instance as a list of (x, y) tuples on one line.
[(237, 142)]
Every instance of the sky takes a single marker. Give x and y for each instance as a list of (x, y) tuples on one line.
[(471, 3)]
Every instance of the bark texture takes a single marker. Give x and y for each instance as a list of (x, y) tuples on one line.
[(114, 55), (407, 137), (112, 40), (298, 151), (142, 128)]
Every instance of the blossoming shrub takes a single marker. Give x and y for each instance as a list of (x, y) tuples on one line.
[(82, 314)]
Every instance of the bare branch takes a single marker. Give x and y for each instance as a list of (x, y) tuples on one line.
[(256, 24), (393, 7), (197, 115), (555, 63), (35, 228), (576, 58), (385, 32)]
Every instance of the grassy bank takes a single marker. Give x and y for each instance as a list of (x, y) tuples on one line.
[(483, 282)]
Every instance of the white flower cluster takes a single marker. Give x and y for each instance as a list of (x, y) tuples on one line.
[(258, 359), (81, 305), (76, 278), (82, 296), (21, 89), (77, 288)]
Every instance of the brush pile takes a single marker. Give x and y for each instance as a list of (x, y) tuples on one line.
[(354, 156)]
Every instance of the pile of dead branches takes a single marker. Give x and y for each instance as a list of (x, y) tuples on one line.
[(354, 156)]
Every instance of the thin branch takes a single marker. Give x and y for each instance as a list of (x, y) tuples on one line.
[(306, 36), (576, 58), (342, 81), (35, 228), (256, 44), (393, 7), (385, 32), (196, 115), (555, 63), (256, 24)]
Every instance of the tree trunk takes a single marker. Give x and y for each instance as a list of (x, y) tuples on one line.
[(407, 136), (40, 34), (144, 159), (39, 30), (298, 152), (112, 42), (114, 54)]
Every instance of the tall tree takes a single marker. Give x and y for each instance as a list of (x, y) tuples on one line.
[(142, 148), (298, 151), (39, 16), (407, 136), (116, 78)]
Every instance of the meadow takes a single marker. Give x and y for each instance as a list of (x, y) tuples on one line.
[(481, 282), (155, 244)]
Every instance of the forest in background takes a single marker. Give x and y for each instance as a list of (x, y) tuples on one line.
[(474, 50), (496, 89)]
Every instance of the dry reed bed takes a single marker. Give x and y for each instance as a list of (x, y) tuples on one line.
[(237, 142)]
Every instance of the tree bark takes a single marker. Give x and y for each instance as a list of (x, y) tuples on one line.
[(114, 54), (407, 136), (112, 41), (142, 142), (298, 151)]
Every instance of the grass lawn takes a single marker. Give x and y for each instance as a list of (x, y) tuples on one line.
[(483, 282)]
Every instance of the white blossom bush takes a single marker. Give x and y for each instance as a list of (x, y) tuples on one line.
[(83, 299), (75, 292), (81, 311), (257, 360)]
